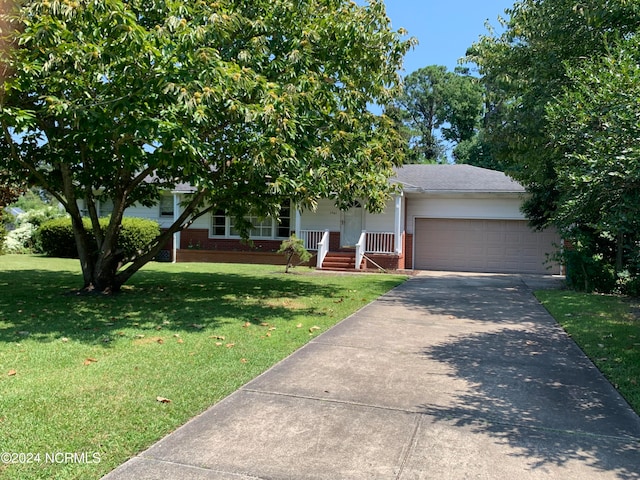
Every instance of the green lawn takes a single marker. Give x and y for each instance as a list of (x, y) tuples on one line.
[(607, 328), (105, 377)]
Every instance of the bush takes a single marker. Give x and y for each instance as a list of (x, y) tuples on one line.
[(20, 239), (136, 233), (589, 272), (57, 240), (21, 234)]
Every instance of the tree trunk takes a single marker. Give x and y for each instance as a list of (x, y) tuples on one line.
[(101, 267), (619, 252)]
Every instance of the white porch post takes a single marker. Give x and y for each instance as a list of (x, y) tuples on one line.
[(298, 217), (398, 224), (176, 236)]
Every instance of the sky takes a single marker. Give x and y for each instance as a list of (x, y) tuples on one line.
[(444, 28)]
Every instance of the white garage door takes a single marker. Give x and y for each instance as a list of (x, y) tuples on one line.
[(498, 246)]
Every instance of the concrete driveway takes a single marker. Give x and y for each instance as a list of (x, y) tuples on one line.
[(449, 376)]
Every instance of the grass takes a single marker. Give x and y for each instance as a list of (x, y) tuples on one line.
[(607, 329), (105, 377)]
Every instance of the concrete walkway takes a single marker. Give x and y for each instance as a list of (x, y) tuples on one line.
[(449, 376)]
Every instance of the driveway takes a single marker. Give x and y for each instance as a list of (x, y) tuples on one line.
[(448, 376)]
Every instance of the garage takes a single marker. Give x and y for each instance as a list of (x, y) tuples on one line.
[(482, 245)]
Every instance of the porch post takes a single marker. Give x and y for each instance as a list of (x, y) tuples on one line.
[(398, 225), (176, 236), (298, 216)]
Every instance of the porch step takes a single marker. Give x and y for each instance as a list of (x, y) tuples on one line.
[(340, 261)]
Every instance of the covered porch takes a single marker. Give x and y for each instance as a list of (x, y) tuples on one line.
[(354, 239)]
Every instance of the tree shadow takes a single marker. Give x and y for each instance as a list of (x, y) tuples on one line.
[(41, 304), (475, 297), (530, 386)]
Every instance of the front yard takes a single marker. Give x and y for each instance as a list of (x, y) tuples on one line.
[(88, 381)]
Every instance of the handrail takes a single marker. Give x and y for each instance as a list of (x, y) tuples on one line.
[(323, 249), (360, 249)]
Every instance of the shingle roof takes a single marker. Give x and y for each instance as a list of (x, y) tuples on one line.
[(454, 178)]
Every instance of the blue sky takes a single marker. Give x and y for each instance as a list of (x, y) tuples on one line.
[(444, 28)]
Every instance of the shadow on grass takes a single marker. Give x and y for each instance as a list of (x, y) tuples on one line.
[(530, 387), (39, 304)]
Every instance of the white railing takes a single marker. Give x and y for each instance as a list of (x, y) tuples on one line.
[(360, 249), (380, 242), (323, 248), (311, 238)]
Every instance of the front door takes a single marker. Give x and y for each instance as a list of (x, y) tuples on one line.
[(351, 225)]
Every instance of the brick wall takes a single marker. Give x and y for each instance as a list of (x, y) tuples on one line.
[(408, 251), (198, 239)]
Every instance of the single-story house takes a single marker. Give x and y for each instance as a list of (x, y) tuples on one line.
[(446, 217)]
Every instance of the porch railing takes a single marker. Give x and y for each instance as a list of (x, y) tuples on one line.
[(323, 248), (380, 242), (311, 238), (376, 242)]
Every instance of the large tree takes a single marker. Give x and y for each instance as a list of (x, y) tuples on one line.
[(525, 68), (595, 123), (437, 108), (548, 102), (249, 101)]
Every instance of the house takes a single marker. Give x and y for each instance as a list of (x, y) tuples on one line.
[(446, 217)]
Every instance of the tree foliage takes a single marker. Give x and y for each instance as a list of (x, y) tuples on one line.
[(437, 107), (562, 81), (293, 246), (250, 102), (595, 123)]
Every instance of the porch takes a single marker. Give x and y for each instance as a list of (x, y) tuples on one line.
[(373, 250)]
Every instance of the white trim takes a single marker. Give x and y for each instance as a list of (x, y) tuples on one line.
[(176, 235), (398, 225), (298, 222)]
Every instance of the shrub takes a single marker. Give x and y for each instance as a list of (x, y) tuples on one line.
[(57, 240), (136, 233), (20, 239)]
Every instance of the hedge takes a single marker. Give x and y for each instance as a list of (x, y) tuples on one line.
[(57, 240)]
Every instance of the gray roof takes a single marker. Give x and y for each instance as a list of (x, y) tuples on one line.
[(454, 178)]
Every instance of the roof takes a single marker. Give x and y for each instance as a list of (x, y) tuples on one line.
[(15, 211), (454, 178)]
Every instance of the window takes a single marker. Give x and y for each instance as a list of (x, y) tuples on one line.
[(225, 226), (219, 224), (284, 227), (166, 206), (262, 228)]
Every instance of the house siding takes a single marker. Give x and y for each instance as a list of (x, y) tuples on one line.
[(381, 222), (468, 207)]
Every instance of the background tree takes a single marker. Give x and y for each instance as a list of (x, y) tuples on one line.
[(437, 108), (250, 102), (524, 69), (527, 71)]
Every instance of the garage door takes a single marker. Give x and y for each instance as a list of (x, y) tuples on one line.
[(499, 246)]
